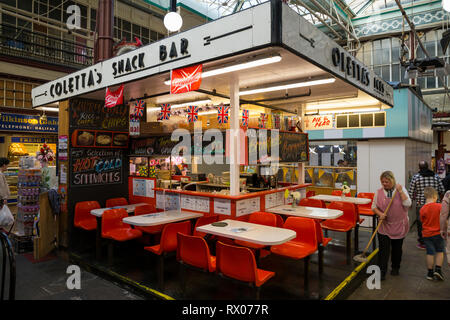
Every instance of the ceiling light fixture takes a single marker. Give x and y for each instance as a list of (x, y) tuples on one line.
[(237, 67), (172, 20), (288, 86)]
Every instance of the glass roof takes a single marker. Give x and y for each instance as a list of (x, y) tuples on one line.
[(214, 9)]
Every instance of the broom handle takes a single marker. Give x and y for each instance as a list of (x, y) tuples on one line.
[(379, 224)]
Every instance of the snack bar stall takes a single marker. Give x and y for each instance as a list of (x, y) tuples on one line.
[(204, 120)]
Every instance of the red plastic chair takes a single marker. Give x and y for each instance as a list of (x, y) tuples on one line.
[(344, 223), (280, 221), (148, 209), (194, 251), (239, 263), (114, 202), (168, 244), (336, 193), (310, 194), (304, 244), (306, 202), (83, 218), (113, 228), (264, 218), (366, 210), (203, 221)]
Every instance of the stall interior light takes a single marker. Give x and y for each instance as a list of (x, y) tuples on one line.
[(237, 67), (48, 109), (342, 104), (185, 104), (288, 86), (348, 110)]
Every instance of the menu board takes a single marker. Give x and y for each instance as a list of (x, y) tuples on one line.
[(163, 145), (294, 147), (247, 206), (222, 206), (91, 114), (90, 167), (195, 203), (168, 201), (274, 199)]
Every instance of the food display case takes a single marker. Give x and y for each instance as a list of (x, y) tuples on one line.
[(327, 179), (11, 175)]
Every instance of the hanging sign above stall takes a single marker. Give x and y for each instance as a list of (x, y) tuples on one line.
[(268, 25), (318, 122), (186, 79)]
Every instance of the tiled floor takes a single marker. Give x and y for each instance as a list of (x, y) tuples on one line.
[(47, 281), (411, 284)]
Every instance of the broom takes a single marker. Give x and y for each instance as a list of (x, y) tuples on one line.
[(363, 257)]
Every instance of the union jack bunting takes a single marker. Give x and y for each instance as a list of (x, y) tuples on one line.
[(192, 113), (165, 112), (137, 108), (263, 120), (222, 114), (245, 115)]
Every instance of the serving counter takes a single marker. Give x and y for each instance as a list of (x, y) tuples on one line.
[(208, 203)]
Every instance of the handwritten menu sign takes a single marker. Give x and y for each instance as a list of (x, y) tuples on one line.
[(318, 122), (90, 167), (91, 114), (294, 147)]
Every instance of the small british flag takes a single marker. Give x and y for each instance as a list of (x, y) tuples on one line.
[(137, 108), (165, 112), (263, 120), (222, 114), (245, 115), (192, 113)]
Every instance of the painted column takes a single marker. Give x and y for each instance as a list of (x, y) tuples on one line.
[(301, 165), (234, 135)]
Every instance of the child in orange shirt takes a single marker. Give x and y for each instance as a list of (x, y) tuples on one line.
[(429, 215)]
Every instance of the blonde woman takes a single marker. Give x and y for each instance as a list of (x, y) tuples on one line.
[(395, 224)]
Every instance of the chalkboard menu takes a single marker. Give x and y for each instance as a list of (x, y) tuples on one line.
[(91, 114), (294, 147), (163, 145), (90, 167)]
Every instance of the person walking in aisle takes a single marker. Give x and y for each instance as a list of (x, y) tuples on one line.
[(429, 215), (4, 188), (444, 215), (424, 178), (395, 224)]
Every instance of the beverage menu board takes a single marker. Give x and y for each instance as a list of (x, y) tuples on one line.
[(91, 114), (294, 147)]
